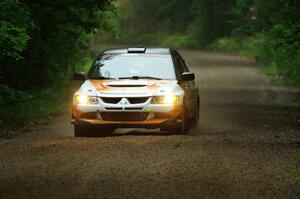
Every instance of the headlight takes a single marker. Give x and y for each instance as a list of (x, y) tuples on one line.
[(168, 99), (83, 99)]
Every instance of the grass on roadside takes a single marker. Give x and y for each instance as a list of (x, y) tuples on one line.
[(43, 105), (280, 60)]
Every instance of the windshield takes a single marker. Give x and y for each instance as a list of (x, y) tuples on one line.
[(120, 66)]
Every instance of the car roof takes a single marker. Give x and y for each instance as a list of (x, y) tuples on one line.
[(142, 50)]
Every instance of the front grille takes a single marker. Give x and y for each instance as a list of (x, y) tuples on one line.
[(138, 100), (121, 116), (132, 100), (111, 100)]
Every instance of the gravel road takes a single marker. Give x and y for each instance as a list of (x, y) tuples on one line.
[(245, 146)]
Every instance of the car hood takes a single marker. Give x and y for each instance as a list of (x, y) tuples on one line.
[(130, 87)]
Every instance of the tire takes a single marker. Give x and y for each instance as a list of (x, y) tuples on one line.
[(196, 117), (181, 128)]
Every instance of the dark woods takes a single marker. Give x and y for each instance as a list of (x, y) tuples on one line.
[(42, 41)]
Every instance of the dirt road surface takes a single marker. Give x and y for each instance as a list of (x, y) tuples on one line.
[(245, 146)]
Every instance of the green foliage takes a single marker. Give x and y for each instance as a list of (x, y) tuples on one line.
[(284, 53), (279, 12), (274, 39), (51, 36), (282, 28), (181, 41), (9, 95), (199, 21), (15, 23), (253, 46), (211, 21), (146, 16), (227, 45), (111, 24), (240, 19), (279, 49), (152, 22), (13, 40)]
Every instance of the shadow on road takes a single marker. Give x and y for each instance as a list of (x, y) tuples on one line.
[(96, 133)]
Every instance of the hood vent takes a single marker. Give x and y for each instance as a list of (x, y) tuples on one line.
[(129, 85)]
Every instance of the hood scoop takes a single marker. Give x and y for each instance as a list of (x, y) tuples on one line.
[(131, 84), (124, 85)]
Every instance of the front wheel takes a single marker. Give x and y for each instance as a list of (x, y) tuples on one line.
[(179, 128), (196, 116)]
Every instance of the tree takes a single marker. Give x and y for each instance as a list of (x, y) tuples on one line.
[(15, 23), (51, 36)]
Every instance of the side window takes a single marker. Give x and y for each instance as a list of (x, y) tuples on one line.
[(183, 65), (176, 64), (179, 66)]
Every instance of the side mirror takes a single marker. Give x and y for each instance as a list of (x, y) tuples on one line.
[(188, 76), (79, 76)]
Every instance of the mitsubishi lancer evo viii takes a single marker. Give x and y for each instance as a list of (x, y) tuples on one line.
[(136, 88)]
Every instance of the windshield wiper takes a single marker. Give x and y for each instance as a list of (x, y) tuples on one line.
[(141, 77)]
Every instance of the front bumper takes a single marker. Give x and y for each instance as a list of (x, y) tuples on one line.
[(156, 118)]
